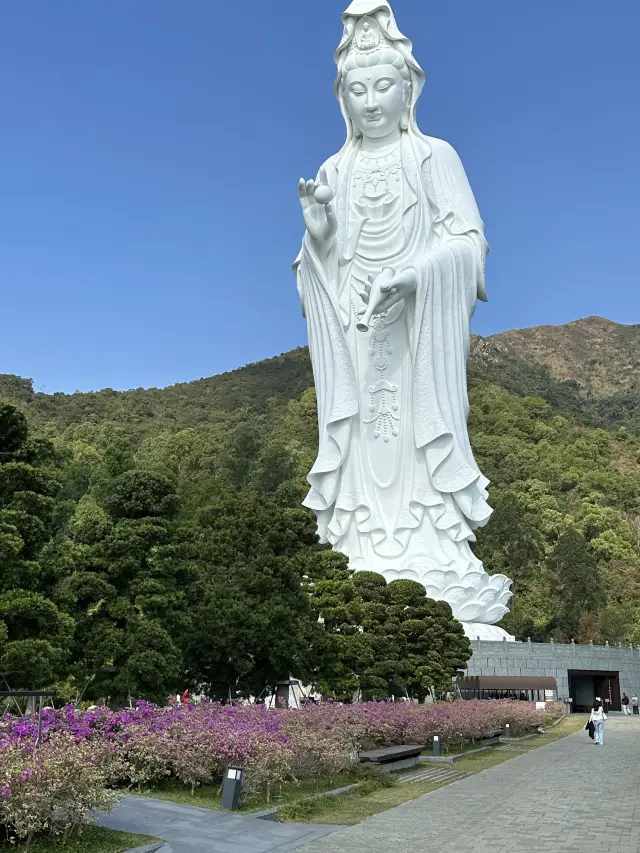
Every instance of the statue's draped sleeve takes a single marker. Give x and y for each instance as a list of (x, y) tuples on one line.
[(451, 279), (457, 211), (333, 370)]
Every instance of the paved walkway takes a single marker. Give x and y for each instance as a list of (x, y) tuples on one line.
[(567, 797), (195, 830)]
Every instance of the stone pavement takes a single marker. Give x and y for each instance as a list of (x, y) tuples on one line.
[(567, 797), (194, 830)]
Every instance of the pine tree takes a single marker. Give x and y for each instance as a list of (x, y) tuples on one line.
[(35, 635)]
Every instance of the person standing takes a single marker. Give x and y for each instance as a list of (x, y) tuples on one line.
[(634, 703), (598, 718), (625, 704)]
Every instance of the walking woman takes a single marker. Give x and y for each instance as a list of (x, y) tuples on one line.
[(598, 718)]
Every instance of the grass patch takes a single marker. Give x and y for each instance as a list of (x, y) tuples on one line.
[(94, 839), (365, 802), (287, 793), (306, 810)]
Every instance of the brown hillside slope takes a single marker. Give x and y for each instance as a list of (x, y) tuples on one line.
[(602, 356)]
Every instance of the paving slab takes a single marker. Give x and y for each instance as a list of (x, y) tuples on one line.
[(566, 797), (188, 829)]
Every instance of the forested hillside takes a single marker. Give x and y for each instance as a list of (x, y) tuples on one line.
[(121, 486)]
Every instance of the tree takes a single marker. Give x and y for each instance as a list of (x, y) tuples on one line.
[(588, 629), (126, 577), (243, 448), (13, 430), (383, 639), (141, 494), (617, 620), (35, 635), (253, 624), (576, 578), (513, 542), (435, 647)]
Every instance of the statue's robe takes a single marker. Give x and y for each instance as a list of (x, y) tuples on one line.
[(409, 512)]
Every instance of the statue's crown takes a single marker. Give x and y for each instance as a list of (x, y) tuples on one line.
[(367, 36)]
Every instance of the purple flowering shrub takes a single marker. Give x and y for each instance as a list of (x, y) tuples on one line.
[(85, 754), (53, 788)]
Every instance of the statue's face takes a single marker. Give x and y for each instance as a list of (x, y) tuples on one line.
[(375, 99)]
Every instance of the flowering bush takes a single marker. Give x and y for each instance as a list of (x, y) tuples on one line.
[(85, 752), (53, 788)]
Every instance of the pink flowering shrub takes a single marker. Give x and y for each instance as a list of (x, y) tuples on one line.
[(84, 753), (53, 788), (552, 712), (323, 742)]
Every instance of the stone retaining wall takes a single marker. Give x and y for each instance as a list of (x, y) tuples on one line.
[(555, 659)]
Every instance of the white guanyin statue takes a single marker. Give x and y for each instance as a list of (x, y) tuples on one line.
[(391, 267)]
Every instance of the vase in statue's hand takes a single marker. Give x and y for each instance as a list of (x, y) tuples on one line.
[(383, 291), (319, 215), (377, 289)]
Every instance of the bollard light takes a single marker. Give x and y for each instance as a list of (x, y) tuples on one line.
[(232, 788), (436, 746), (507, 730)]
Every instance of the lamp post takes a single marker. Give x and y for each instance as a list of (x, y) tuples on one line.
[(232, 788), (283, 691)]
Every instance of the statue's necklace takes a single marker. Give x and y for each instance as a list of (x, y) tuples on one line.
[(381, 169)]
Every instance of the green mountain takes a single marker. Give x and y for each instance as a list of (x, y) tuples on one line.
[(590, 367), (555, 420), (178, 406)]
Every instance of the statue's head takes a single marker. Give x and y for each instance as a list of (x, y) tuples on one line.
[(379, 81), (375, 88)]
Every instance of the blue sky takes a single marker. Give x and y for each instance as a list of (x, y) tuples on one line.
[(150, 150)]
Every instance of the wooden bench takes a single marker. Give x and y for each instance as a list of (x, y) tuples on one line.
[(393, 757), (490, 738)]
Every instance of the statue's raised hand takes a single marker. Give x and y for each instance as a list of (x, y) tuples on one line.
[(318, 212)]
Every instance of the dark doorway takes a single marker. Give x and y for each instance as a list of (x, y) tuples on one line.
[(586, 684)]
